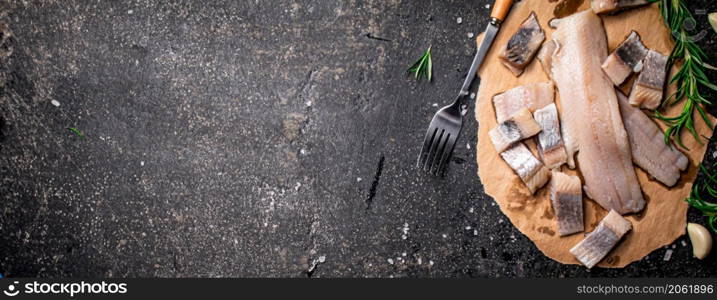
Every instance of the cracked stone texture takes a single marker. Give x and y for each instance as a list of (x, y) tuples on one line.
[(251, 138)]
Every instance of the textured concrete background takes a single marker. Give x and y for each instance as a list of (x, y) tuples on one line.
[(250, 138)]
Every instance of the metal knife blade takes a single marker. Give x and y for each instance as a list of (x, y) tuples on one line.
[(490, 32)]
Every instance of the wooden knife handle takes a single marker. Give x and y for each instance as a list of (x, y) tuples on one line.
[(500, 9)]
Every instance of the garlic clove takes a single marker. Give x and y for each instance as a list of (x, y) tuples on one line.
[(713, 20), (701, 240)]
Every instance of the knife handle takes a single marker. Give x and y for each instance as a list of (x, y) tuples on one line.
[(500, 9)]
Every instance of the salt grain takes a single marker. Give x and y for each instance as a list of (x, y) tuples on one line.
[(668, 255), (684, 244), (459, 20), (470, 35), (141, 163), (487, 6), (390, 260), (129, 12), (322, 258), (403, 254), (419, 261), (403, 237), (430, 262), (475, 231), (308, 103), (55, 103), (473, 95), (444, 235), (468, 146), (471, 209), (435, 105), (468, 228), (359, 179)]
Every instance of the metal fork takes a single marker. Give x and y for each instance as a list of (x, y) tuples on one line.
[(447, 123)]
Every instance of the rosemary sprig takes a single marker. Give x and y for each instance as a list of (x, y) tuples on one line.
[(76, 132), (423, 67), (689, 78), (696, 200)]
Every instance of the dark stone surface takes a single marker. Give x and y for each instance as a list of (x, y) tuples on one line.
[(250, 138)]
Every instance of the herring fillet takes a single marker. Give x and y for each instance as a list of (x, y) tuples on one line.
[(649, 151), (608, 6), (590, 114), (598, 243), (523, 45), (533, 96), (530, 170), (520, 125), (626, 59), (566, 197), (550, 141), (647, 89)]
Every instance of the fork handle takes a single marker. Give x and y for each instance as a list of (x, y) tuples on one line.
[(500, 9)]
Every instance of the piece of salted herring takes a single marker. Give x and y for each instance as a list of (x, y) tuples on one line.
[(530, 170), (550, 141), (607, 6), (533, 96), (523, 45), (519, 126), (649, 151), (590, 114), (626, 59), (566, 196), (596, 245), (647, 89)]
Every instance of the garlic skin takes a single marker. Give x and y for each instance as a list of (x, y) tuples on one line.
[(712, 17), (701, 240)]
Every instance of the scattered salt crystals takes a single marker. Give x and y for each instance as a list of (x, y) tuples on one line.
[(500, 221), (322, 258), (390, 260), (459, 20), (487, 6), (674, 246), (129, 12), (473, 95), (302, 151), (308, 103), (468, 145), (358, 179), (403, 237), (297, 186), (141, 163), (714, 154), (468, 228), (403, 254), (419, 261), (266, 224), (430, 262), (684, 244), (470, 35), (668, 255), (444, 235), (55, 103), (434, 104), (464, 109), (470, 210), (475, 231), (512, 236)]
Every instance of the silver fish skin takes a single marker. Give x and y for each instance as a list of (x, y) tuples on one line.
[(519, 126), (530, 170), (626, 59), (566, 196), (533, 96), (598, 243), (647, 89), (550, 140), (523, 45)]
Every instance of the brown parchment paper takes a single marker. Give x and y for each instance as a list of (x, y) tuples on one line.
[(664, 217)]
